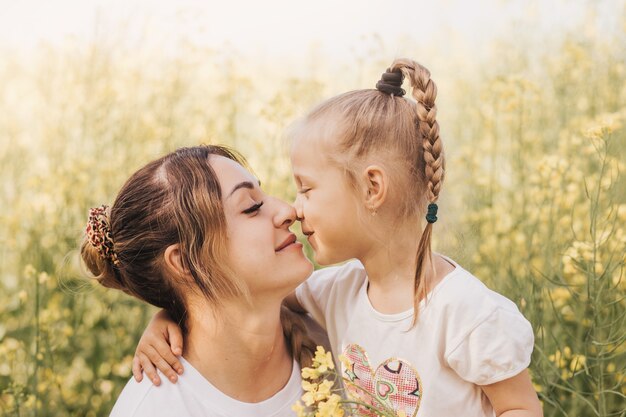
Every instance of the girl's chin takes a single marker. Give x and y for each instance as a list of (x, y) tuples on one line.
[(321, 259), (324, 258)]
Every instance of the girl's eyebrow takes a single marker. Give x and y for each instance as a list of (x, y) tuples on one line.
[(244, 184), (302, 178)]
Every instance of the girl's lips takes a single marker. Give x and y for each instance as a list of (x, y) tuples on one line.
[(294, 245)]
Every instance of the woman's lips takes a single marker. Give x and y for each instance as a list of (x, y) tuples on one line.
[(290, 241)]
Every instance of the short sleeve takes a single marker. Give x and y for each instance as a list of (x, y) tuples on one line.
[(498, 348), (326, 291), (313, 295)]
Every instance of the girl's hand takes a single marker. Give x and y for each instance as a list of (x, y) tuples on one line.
[(160, 344)]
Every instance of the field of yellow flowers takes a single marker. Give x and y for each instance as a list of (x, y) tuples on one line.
[(535, 198)]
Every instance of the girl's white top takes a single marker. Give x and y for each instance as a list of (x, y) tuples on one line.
[(194, 396), (466, 336)]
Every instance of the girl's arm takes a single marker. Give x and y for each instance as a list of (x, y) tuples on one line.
[(514, 397), (159, 346)]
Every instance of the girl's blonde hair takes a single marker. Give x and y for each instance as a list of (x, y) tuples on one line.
[(366, 121), (176, 199)]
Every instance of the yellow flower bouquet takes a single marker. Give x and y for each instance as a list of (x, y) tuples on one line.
[(323, 393)]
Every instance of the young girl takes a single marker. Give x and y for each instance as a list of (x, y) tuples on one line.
[(189, 233), (416, 330)]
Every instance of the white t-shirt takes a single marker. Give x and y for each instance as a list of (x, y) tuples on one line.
[(466, 335), (194, 396)]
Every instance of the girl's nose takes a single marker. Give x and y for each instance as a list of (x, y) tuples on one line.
[(298, 207)]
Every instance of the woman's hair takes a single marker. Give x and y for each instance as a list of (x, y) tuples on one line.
[(405, 133), (176, 199), (173, 200), (301, 345)]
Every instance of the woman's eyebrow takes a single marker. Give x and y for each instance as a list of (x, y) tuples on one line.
[(244, 184)]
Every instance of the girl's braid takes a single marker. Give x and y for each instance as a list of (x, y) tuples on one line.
[(425, 93)]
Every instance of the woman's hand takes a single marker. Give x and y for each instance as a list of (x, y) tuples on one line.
[(160, 344)]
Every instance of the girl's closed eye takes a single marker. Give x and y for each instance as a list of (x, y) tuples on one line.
[(303, 190), (253, 209)]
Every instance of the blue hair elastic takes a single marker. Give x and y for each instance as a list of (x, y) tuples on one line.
[(431, 216)]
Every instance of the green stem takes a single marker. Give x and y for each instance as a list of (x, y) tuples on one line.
[(37, 324), (370, 407)]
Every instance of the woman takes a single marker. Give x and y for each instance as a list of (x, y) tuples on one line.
[(194, 234)]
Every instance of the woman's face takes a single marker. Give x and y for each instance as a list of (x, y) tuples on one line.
[(262, 251)]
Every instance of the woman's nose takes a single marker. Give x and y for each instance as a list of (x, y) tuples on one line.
[(286, 214)]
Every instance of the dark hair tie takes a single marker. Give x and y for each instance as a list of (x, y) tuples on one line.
[(431, 217), (391, 83)]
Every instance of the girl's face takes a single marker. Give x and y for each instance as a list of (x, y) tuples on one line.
[(262, 251), (326, 205)]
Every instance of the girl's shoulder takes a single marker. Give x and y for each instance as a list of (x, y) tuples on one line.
[(350, 273), (487, 339), (461, 293), (329, 291)]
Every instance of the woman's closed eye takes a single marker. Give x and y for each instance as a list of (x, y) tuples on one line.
[(303, 190), (253, 209)]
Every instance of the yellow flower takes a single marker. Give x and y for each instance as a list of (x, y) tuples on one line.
[(621, 212), (29, 271), (567, 351), (560, 296), (323, 390), (310, 395), (578, 362), (310, 373), (309, 386), (106, 386), (330, 408), (344, 360), (315, 392), (323, 360), (308, 398), (43, 278), (299, 409)]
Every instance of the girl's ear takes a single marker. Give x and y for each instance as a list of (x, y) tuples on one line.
[(376, 184), (174, 262)]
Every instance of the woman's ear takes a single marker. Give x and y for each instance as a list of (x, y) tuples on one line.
[(376, 184), (174, 261)]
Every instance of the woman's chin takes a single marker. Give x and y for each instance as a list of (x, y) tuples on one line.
[(307, 270), (299, 272)]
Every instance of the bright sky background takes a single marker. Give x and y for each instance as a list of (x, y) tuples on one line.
[(288, 28)]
